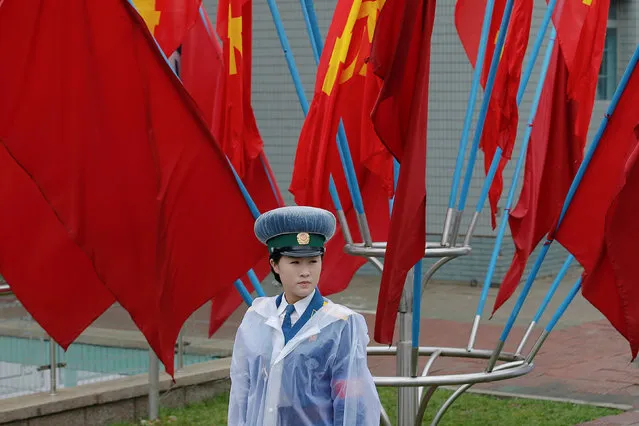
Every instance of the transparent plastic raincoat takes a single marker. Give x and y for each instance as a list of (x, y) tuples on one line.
[(320, 377)]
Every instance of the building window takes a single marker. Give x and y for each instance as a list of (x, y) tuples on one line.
[(608, 72)]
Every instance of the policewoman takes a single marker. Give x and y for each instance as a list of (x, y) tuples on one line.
[(298, 358)]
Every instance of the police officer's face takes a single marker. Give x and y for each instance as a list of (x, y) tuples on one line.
[(299, 276)]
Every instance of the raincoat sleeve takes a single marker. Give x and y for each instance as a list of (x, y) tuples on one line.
[(240, 379), (355, 399)]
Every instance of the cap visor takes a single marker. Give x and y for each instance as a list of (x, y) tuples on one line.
[(305, 252)]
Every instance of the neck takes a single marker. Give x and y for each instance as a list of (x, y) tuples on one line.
[(292, 298)]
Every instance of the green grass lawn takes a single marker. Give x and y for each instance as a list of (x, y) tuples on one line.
[(468, 410)]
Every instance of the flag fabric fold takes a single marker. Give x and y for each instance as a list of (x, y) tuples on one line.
[(502, 118), (599, 227), (168, 20), (401, 59)]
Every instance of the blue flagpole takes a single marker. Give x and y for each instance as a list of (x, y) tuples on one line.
[(542, 308), (256, 213), (564, 305), (483, 110), (573, 187), (545, 23), (310, 10), (391, 202), (417, 302), (479, 63), (553, 288), (513, 186), (555, 318)]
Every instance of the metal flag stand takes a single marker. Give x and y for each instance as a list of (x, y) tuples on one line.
[(413, 398)]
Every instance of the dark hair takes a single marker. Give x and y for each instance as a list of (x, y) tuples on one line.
[(276, 256)]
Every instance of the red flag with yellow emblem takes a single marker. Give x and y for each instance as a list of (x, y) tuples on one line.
[(239, 137), (345, 89), (168, 20)]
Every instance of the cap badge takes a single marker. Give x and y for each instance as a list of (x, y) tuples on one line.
[(303, 238)]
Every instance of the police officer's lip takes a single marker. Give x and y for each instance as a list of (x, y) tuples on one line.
[(304, 283)]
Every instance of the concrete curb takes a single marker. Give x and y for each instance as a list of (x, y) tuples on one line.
[(123, 399), (500, 394)]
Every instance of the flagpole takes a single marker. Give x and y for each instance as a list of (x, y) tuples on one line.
[(483, 111), (297, 82), (558, 314), (571, 192), (513, 186), (452, 216), (551, 292), (523, 84), (271, 179)]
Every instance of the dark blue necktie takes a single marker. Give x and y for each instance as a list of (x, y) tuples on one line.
[(287, 327)]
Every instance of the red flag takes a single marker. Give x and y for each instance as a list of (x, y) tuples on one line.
[(204, 76), (500, 124), (581, 31), (168, 20), (600, 227), (602, 180), (401, 58), (123, 158), (345, 89), (202, 72), (240, 137), (50, 275), (469, 18), (553, 157), (612, 285)]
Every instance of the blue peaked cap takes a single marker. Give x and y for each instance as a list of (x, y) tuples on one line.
[(296, 231)]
